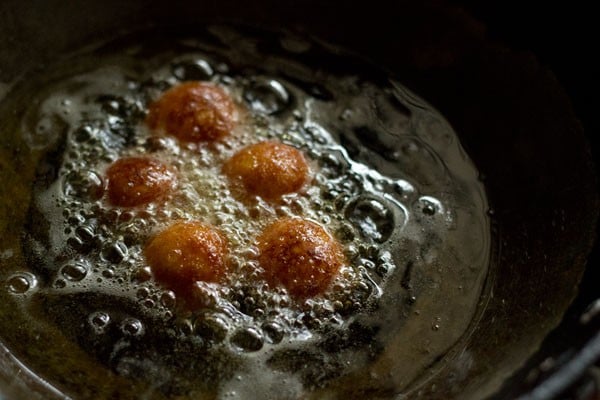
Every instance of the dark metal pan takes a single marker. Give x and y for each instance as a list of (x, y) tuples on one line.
[(513, 116)]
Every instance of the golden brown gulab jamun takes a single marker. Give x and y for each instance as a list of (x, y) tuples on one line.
[(134, 181), (185, 253), (268, 169), (193, 112), (299, 254)]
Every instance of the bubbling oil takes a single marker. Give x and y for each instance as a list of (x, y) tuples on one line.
[(388, 179)]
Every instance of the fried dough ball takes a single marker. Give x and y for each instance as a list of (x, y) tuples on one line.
[(301, 255), (134, 181), (185, 253), (193, 112), (268, 169)]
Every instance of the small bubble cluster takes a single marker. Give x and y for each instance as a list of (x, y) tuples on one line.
[(387, 224), (111, 237), (267, 96), (21, 283)]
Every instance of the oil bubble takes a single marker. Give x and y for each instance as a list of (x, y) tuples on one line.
[(184, 326), (204, 294), (315, 134), (248, 339), (168, 299), (85, 233), (111, 105), (335, 163), (368, 264), (108, 273), (403, 188), (213, 327), (117, 106), (429, 205), (76, 219), (267, 96), (84, 185), (86, 133), (351, 252), (157, 143), (74, 271), (192, 70), (372, 217), (143, 293), (132, 327), (99, 321), (428, 209), (21, 283), (142, 274), (383, 269), (346, 232), (149, 303), (126, 216), (115, 252), (76, 244)]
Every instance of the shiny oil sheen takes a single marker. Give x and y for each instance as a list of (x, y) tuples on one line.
[(389, 180)]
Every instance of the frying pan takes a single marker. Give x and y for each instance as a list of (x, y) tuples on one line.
[(536, 336)]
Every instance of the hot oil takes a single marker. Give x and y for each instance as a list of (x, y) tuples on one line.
[(388, 178)]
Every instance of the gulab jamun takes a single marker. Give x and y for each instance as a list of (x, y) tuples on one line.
[(299, 254), (193, 112), (185, 253), (135, 181), (268, 169)]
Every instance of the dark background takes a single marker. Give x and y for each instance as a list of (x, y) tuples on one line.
[(564, 37)]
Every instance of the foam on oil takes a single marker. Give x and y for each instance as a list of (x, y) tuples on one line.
[(388, 178)]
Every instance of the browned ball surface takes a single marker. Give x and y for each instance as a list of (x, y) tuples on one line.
[(185, 253), (134, 181), (268, 169), (301, 255), (193, 112)]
